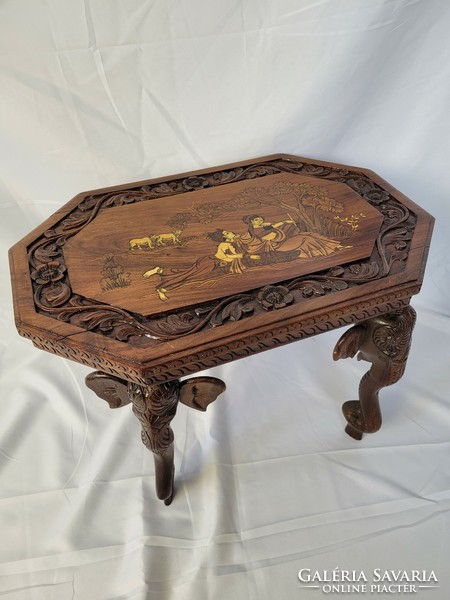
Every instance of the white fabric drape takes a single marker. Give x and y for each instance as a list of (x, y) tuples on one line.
[(100, 92)]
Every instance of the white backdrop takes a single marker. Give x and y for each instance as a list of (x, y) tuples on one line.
[(99, 92)]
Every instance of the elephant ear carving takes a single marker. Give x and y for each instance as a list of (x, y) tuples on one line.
[(350, 342), (109, 388), (199, 392)]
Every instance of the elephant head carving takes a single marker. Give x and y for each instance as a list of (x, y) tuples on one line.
[(196, 392)]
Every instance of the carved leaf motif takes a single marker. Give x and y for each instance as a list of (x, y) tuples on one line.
[(260, 172), (124, 331), (176, 323), (398, 256), (233, 311), (363, 271), (399, 234), (336, 271), (47, 252), (318, 287), (227, 176), (88, 203), (74, 221), (62, 239), (164, 189), (92, 319), (57, 294), (312, 288), (121, 199), (105, 321), (393, 212)]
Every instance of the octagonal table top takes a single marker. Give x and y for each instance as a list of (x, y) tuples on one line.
[(156, 279)]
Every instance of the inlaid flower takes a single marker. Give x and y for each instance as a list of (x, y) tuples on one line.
[(274, 296), (50, 272), (195, 183), (376, 196)]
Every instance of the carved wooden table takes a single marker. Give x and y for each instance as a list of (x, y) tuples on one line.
[(152, 281)]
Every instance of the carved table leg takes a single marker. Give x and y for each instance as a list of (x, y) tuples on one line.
[(384, 341), (155, 406)]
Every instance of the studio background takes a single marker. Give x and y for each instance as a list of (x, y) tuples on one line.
[(101, 92)]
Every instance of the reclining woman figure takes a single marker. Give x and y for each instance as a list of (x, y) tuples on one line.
[(228, 258)]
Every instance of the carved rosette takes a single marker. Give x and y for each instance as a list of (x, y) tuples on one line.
[(274, 296), (54, 297)]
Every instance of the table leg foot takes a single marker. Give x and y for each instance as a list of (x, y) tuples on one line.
[(355, 421), (383, 341)]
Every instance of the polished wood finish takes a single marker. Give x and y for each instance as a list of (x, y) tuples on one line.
[(151, 281)]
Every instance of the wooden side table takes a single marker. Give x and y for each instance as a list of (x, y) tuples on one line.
[(152, 281)]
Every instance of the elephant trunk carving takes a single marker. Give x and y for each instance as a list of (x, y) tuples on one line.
[(384, 341)]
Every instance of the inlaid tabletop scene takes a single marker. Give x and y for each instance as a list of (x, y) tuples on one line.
[(163, 254)]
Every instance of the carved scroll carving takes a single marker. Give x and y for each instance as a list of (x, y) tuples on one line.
[(384, 341)]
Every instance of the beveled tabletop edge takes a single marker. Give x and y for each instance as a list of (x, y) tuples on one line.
[(197, 352)]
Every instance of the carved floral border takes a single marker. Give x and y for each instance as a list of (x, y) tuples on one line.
[(54, 297)]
